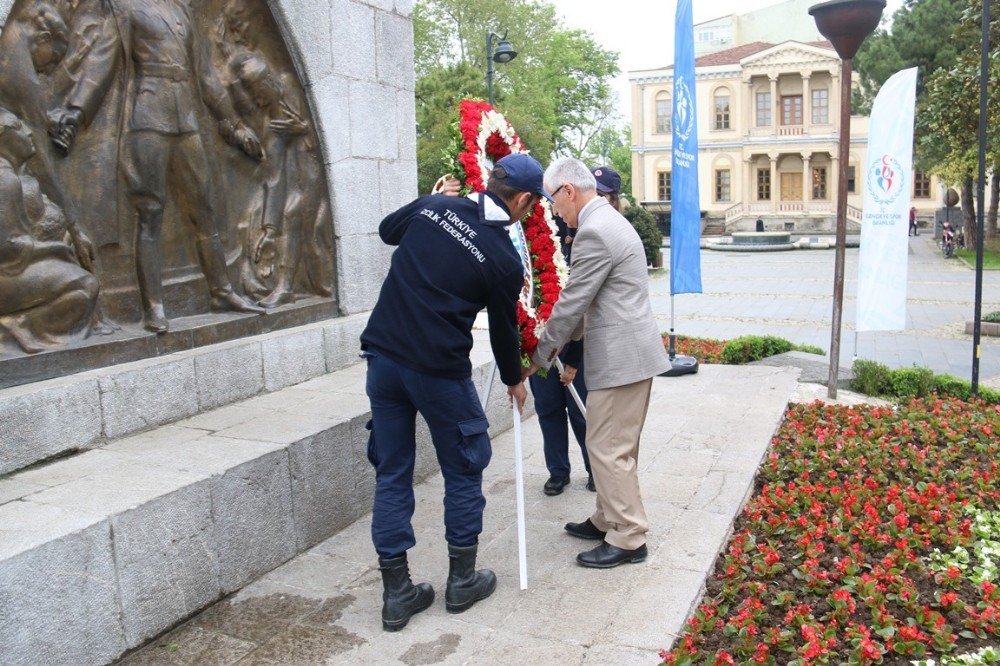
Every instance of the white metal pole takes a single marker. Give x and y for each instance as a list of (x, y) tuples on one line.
[(522, 546), (572, 389)]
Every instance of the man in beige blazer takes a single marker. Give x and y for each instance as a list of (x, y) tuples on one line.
[(606, 299)]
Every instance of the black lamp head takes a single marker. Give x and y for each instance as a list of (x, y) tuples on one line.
[(504, 51)]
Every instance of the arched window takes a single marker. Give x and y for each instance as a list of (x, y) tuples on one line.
[(663, 112), (721, 107)]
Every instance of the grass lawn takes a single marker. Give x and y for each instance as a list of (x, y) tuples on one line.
[(873, 536), (991, 257)]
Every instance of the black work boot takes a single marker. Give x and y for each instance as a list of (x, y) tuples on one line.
[(466, 586), (401, 598)]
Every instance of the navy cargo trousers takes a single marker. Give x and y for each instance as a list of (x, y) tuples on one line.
[(458, 428)]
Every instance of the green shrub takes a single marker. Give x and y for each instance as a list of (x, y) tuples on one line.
[(873, 378), (993, 317), (750, 348), (908, 382), (809, 349), (951, 385), (870, 377), (649, 233)]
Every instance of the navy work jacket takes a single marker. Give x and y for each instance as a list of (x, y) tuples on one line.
[(454, 258)]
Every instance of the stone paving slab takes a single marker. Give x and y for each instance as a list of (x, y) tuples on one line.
[(790, 294), (702, 443)]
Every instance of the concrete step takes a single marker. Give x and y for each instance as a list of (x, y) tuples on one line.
[(101, 551), (86, 410)]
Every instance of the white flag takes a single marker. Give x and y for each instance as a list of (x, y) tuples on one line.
[(882, 263)]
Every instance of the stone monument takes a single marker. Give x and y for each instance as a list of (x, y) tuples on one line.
[(190, 193), (166, 183)]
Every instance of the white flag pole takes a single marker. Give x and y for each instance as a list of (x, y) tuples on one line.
[(522, 545), (572, 389)]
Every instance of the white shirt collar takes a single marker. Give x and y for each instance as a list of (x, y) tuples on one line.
[(590, 204), (491, 210)]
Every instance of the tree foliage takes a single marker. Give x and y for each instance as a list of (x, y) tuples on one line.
[(611, 147), (942, 39), (556, 92), (914, 41), (947, 122)]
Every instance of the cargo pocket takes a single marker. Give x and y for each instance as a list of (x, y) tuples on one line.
[(475, 447), (372, 454)]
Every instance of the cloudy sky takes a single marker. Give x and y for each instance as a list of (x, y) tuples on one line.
[(642, 30)]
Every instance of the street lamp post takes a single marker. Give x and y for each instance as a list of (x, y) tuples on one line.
[(981, 196), (846, 23), (504, 53)]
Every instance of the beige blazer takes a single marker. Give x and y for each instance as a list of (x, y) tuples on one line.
[(606, 299)]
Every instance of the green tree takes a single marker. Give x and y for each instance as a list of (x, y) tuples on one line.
[(914, 41), (556, 92), (947, 121)]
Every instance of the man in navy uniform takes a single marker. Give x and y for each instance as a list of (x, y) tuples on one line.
[(454, 258)]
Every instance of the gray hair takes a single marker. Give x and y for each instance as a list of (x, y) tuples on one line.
[(569, 170)]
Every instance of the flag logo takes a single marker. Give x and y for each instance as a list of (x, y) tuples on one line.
[(683, 109), (885, 179)]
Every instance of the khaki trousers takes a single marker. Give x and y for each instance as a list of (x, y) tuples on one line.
[(614, 423)]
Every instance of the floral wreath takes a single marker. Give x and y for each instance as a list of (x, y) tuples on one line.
[(483, 136)]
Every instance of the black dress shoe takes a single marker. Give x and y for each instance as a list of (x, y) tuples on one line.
[(555, 485), (585, 530), (590, 484), (606, 556)]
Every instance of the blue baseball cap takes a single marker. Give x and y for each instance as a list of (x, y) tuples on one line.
[(608, 180), (522, 172)]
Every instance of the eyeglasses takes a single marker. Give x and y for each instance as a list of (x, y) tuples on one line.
[(553, 195)]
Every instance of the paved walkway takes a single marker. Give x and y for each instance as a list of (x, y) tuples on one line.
[(704, 438), (790, 294)]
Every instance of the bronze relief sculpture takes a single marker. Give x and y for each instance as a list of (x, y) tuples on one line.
[(171, 143)]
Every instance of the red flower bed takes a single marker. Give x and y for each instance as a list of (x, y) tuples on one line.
[(706, 350), (832, 559)]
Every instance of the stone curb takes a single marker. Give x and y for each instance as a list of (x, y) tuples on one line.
[(107, 549)]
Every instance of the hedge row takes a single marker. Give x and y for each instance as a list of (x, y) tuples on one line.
[(874, 378)]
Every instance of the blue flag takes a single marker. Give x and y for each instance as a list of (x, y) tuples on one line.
[(685, 209)]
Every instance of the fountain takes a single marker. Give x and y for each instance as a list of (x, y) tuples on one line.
[(756, 241)]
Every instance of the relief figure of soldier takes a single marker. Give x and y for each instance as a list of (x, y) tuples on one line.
[(168, 77)]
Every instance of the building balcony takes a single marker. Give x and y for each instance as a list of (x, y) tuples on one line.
[(788, 208)]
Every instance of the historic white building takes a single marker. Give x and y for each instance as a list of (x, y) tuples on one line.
[(768, 129)]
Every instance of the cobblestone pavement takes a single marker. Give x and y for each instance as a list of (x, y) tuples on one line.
[(790, 294)]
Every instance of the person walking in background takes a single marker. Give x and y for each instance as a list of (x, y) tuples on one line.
[(606, 299), (913, 221)]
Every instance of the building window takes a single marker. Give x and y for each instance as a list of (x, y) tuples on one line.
[(921, 185), (821, 106), (663, 116), (722, 112), (764, 109), (763, 184), (851, 182), (663, 185), (723, 192), (819, 182), (791, 110)]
